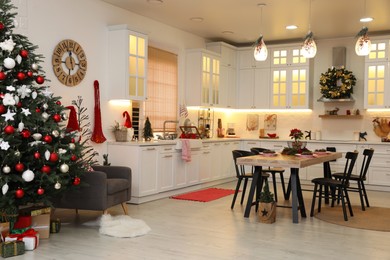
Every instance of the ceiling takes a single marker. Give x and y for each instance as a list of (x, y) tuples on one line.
[(246, 21)]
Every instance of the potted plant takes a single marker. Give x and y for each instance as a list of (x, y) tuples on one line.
[(120, 132), (267, 208)]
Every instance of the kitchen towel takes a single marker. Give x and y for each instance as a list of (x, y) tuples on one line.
[(185, 150)]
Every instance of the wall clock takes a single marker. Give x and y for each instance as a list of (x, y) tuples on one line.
[(69, 62)]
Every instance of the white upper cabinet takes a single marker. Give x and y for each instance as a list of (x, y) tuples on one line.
[(228, 73), (376, 75), (246, 60), (202, 78), (127, 63), (289, 78)]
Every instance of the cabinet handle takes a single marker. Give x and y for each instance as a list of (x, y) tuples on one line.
[(206, 152), (150, 149), (250, 143), (167, 149), (206, 146), (278, 146), (226, 143), (167, 156)]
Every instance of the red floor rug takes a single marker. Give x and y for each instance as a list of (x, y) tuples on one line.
[(204, 195)]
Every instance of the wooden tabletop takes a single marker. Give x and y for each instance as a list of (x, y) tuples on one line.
[(288, 161)]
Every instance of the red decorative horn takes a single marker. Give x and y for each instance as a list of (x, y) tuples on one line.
[(97, 135), (127, 120)]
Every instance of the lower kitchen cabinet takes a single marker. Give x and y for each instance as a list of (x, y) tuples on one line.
[(205, 164), (193, 167), (166, 168), (379, 170)]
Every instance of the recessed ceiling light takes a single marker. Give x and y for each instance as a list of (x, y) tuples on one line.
[(196, 19), (366, 19), (228, 32), (158, 2), (291, 27)]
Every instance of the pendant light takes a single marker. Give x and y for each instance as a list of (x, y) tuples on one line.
[(363, 43), (260, 51), (309, 47)]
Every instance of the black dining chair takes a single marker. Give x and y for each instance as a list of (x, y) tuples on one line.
[(359, 178), (243, 174), (273, 171), (334, 185)]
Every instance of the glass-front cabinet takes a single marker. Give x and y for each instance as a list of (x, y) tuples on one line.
[(289, 78), (376, 95), (127, 63)]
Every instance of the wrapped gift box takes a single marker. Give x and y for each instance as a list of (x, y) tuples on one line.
[(30, 239), (4, 229), (40, 219), (55, 225), (13, 248)]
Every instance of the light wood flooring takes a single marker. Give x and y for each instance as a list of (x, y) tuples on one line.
[(195, 230)]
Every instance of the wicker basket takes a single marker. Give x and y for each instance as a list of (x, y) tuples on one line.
[(121, 135)]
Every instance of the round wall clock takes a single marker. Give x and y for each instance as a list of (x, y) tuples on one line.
[(69, 62)]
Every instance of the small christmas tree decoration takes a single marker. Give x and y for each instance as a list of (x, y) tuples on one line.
[(40, 191), (148, 132)]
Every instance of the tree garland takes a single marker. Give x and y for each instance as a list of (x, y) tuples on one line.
[(337, 83)]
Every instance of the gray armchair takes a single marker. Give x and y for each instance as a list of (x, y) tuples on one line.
[(107, 186)]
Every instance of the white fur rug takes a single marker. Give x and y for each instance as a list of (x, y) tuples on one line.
[(120, 226)]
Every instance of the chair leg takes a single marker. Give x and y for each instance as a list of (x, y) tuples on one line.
[(244, 190), (77, 211), (349, 202), (365, 194), (320, 195), (124, 207), (313, 201), (288, 191), (235, 193), (343, 205), (275, 188), (360, 190)]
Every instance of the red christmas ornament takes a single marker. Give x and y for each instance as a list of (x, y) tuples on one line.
[(72, 140), (73, 157), (37, 155), (1, 95), (57, 118), (40, 80), (21, 76), (30, 74), (25, 133), (38, 110), (2, 109), (19, 105), (9, 130), (2, 75), (23, 53), (48, 139), (19, 167), (46, 169), (40, 191), (53, 157), (1, 26), (58, 102), (76, 181), (19, 193)]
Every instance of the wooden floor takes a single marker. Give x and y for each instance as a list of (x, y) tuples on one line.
[(195, 230)]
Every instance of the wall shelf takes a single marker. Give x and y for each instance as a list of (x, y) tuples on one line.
[(342, 116), (329, 100)]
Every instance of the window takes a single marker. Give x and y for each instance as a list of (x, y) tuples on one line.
[(161, 104)]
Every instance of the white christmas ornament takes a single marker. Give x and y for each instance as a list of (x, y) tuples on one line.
[(57, 186), (9, 63), (18, 59), (34, 66), (17, 153), (24, 91), (28, 175), (4, 145), (64, 168), (45, 116), (4, 189), (47, 155), (26, 111), (7, 45), (61, 151), (9, 115), (37, 136), (6, 169), (9, 100), (34, 95), (72, 146), (45, 106), (21, 126), (55, 133), (11, 88)]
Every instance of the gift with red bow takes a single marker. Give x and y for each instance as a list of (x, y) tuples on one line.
[(30, 238)]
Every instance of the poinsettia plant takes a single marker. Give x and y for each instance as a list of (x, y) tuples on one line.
[(296, 134)]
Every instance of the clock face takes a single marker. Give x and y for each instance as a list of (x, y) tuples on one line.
[(69, 62)]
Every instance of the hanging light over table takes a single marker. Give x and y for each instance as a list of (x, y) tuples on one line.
[(363, 43), (260, 52), (309, 47)]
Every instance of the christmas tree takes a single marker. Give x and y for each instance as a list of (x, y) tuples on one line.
[(39, 157), (148, 132)]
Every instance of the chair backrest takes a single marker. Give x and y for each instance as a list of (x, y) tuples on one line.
[(368, 153), (257, 150), (240, 169), (349, 164)]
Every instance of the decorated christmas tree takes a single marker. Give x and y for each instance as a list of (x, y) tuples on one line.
[(148, 132), (39, 157)]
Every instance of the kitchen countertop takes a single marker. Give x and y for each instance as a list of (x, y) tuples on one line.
[(213, 140)]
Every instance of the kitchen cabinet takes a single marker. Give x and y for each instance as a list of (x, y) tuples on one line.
[(376, 75), (289, 78), (379, 171), (253, 81), (217, 160), (228, 72), (148, 170), (193, 167), (166, 168), (202, 78), (127, 63), (205, 164)]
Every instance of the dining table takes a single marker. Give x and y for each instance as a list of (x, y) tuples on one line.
[(294, 162)]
